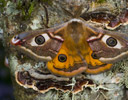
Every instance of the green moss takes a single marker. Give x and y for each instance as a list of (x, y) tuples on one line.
[(26, 8), (2, 5), (101, 1), (49, 2)]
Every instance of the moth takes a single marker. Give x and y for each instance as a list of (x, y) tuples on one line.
[(73, 47)]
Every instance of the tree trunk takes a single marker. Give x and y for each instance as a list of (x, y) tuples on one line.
[(23, 15)]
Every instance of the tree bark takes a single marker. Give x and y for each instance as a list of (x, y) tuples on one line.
[(18, 16)]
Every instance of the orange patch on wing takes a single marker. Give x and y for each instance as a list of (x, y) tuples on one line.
[(74, 64), (96, 65), (92, 61), (64, 68)]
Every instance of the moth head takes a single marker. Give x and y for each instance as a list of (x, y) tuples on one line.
[(110, 48), (38, 44), (19, 39)]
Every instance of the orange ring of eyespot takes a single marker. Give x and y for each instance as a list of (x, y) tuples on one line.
[(62, 58)]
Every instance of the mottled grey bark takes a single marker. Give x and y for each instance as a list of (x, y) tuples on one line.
[(18, 16)]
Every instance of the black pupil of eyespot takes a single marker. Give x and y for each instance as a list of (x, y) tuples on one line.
[(111, 41), (39, 39), (62, 58), (94, 56)]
